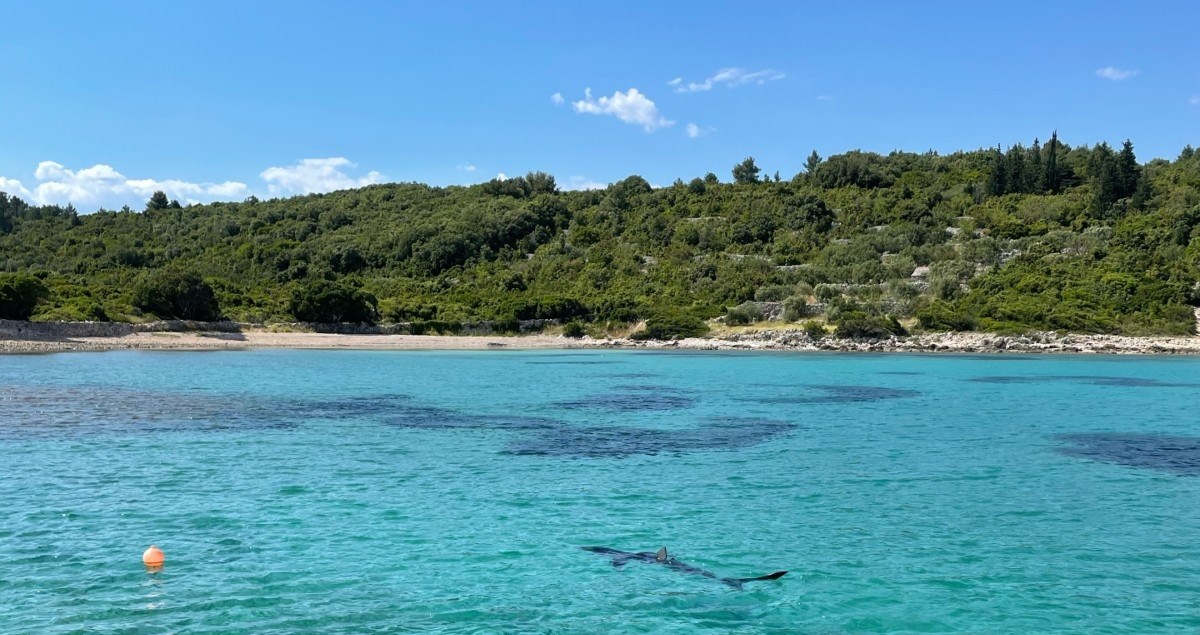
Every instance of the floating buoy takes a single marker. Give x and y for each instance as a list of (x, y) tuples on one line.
[(153, 557)]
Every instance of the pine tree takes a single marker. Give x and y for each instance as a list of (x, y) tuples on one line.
[(813, 162), (1128, 171), (158, 200), (746, 172)]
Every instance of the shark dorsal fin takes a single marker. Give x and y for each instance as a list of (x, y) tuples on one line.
[(661, 554)]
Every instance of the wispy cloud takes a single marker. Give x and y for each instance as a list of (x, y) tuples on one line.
[(557, 98), (1115, 74), (103, 185), (466, 167), (824, 97), (1195, 100), (582, 183), (694, 131), (730, 77), (310, 176), (631, 107)]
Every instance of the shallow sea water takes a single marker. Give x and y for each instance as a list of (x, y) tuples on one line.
[(390, 492)]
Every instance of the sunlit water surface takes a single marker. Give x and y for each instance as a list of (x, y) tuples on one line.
[(379, 492)]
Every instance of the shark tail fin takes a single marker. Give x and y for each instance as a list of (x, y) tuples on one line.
[(769, 576)]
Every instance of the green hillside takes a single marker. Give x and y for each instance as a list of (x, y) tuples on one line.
[(1041, 237)]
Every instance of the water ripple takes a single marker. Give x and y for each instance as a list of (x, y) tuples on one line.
[(364, 491)]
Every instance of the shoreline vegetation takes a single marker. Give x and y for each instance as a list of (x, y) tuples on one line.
[(35, 337), (1046, 238)]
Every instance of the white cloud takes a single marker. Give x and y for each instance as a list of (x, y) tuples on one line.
[(13, 187), (466, 167), (1114, 73), (102, 185), (694, 131), (1195, 100), (582, 183), (501, 177), (557, 98), (228, 190), (631, 107), (730, 77), (824, 97), (311, 176)]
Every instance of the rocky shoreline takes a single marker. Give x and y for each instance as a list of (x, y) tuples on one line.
[(25, 337), (981, 343)]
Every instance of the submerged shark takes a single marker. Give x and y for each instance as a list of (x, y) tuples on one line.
[(621, 558)]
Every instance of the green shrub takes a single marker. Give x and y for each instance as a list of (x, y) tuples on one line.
[(394, 311), (744, 313), (772, 293), (794, 308), (510, 325), (859, 325), (573, 330), (329, 302), (76, 309), (670, 326), (940, 315), (176, 294), (814, 329), (827, 292), (20, 294)]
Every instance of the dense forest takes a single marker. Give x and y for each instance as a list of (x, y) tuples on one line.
[(1044, 236)]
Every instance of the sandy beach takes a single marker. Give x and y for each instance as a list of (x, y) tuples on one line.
[(51, 338), (204, 341)]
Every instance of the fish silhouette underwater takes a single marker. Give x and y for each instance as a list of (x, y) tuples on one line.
[(621, 558)]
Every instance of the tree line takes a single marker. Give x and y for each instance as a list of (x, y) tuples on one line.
[(1045, 236)]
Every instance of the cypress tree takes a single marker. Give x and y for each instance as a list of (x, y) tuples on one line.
[(1051, 177), (1036, 174), (1015, 160), (1106, 178), (998, 182)]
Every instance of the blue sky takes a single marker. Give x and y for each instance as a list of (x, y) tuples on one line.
[(100, 103)]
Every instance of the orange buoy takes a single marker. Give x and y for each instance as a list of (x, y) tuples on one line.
[(153, 557)]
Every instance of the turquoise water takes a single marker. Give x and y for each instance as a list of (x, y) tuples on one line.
[(388, 492)]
